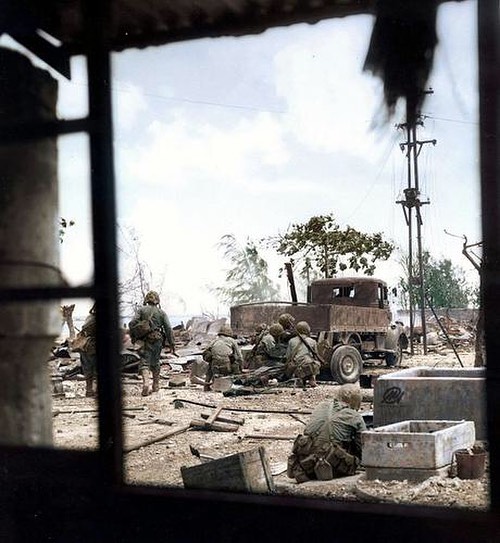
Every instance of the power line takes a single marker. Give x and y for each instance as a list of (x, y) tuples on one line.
[(433, 117)]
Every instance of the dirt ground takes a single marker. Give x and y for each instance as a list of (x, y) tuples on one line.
[(172, 408)]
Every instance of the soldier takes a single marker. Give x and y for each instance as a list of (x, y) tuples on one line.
[(223, 355), (156, 332), (270, 351), (253, 359), (88, 356), (331, 444), (288, 322), (302, 358)]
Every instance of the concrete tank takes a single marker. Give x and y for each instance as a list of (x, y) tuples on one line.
[(432, 394)]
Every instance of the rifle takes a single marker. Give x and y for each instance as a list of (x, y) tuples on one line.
[(309, 348), (257, 343)]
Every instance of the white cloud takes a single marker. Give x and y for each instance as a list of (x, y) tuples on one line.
[(173, 153), (129, 103), (330, 102)]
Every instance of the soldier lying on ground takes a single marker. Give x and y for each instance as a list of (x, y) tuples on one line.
[(330, 446)]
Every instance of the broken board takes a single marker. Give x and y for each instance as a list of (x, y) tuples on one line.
[(242, 472)]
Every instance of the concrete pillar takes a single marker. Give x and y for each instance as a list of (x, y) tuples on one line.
[(28, 254)]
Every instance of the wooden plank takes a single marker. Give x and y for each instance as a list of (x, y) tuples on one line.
[(156, 439), (269, 436), (226, 418), (216, 426)]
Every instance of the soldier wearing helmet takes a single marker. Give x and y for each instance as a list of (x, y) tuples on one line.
[(223, 355), (302, 358), (156, 332), (271, 351), (88, 358), (331, 444), (288, 322)]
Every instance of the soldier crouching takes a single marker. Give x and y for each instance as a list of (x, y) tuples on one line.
[(223, 355), (302, 358), (330, 446)]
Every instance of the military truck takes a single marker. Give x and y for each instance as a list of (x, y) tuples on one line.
[(349, 317)]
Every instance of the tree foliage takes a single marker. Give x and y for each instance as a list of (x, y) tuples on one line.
[(63, 227), (445, 284), (324, 248), (247, 277)]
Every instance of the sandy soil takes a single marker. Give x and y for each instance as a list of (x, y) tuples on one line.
[(75, 426)]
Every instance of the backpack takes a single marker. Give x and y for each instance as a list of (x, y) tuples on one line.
[(82, 344), (139, 329)]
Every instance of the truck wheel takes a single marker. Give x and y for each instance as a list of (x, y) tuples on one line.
[(394, 359), (346, 364)]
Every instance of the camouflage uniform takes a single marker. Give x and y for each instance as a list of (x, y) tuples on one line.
[(302, 359), (223, 355), (153, 342), (331, 438)]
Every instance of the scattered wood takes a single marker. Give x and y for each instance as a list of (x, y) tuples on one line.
[(180, 401), (156, 439), (226, 418), (294, 416), (216, 426), (268, 436), (156, 421), (76, 410)]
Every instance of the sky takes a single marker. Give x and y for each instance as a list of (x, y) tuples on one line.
[(246, 136)]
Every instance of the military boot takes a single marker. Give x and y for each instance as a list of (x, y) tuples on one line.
[(89, 388), (156, 380), (146, 389)]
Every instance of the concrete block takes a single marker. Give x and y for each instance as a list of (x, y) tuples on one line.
[(412, 475), (431, 394), (416, 444)]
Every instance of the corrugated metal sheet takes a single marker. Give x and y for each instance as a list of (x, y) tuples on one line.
[(141, 23)]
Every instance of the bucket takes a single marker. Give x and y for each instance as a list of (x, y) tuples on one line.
[(470, 464)]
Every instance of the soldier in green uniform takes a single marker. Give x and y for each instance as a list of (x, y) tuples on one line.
[(330, 446), (288, 322), (158, 334), (302, 359), (270, 350), (88, 356), (223, 355)]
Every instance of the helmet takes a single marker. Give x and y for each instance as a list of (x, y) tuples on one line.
[(152, 297), (303, 328), (351, 395), (286, 320), (276, 329), (226, 330), (260, 327)]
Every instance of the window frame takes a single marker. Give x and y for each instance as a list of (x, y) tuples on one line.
[(106, 465)]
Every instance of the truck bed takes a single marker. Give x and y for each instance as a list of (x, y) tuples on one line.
[(321, 317)]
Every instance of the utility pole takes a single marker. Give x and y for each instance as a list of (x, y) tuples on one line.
[(411, 205)]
